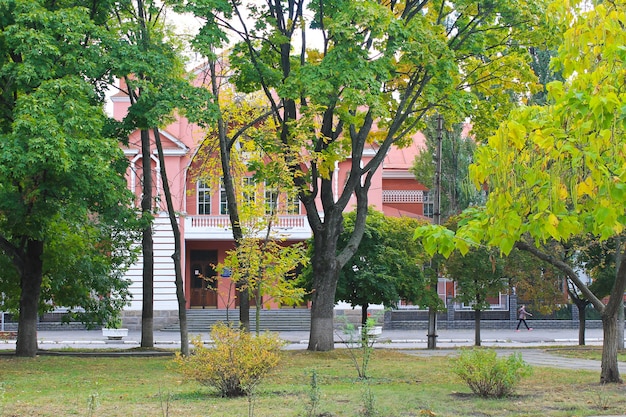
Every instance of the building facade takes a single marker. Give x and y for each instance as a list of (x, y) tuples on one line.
[(204, 223)]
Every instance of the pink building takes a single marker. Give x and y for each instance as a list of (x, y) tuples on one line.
[(205, 225)]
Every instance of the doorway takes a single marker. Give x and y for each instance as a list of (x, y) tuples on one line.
[(203, 278)]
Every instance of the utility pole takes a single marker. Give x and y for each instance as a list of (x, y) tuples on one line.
[(432, 311)]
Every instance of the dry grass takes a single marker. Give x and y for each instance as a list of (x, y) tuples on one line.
[(401, 385)]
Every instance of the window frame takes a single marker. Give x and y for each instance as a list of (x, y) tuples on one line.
[(203, 198)]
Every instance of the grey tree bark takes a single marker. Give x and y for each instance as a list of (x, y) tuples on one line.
[(180, 288)]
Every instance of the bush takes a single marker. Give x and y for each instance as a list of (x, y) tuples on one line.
[(237, 362), (490, 376)]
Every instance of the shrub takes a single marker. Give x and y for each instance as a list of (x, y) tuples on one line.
[(490, 376), (236, 363)]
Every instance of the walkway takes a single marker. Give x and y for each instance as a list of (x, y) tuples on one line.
[(533, 345)]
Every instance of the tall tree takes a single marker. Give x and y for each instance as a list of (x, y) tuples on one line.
[(557, 172), (236, 147), (266, 266), (479, 276), (386, 268), (151, 65), (59, 169), (346, 77), (457, 153)]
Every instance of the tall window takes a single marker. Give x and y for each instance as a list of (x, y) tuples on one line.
[(204, 198), (223, 201), (248, 191), (293, 204), (271, 200), (429, 204)]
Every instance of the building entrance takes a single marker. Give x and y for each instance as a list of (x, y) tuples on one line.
[(203, 278)]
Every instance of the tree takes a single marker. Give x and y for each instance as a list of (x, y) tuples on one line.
[(61, 171), (537, 283), (343, 77), (557, 172), (386, 268), (457, 153), (234, 148), (478, 275), (600, 260), (150, 63), (266, 267), (444, 164)]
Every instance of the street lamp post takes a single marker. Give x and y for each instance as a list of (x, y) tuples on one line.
[(432, 311)]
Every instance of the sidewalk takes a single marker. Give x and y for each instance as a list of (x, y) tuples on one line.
[(413, 342), (396, 339)]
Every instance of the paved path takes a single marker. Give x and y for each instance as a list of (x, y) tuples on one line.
[(404, 339), (533, 356), (535, 343)]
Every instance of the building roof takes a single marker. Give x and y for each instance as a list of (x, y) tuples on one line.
[(402, 159)]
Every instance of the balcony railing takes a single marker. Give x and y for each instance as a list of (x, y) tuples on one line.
[(218, 227), (403, 196)]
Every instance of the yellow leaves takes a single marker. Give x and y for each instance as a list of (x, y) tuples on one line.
[(237, 362), (551, 226), (562, 192), (557, 171), (516, 134), (585, 188), (555, 90)]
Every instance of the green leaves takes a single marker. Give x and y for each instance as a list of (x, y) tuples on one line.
[(436, 239), (557, 171), (61, 177)]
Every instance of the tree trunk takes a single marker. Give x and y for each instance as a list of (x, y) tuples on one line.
[(244, 308), (257, 312), (326, 274), (477, 317), (619, 255), (609, 312), (180, 296), (31, 279), (610, 370), (364, 308), (432, 328), (178, 272), (582, 322), (610, 315), (620, 326), (147, 245), (582, 304)]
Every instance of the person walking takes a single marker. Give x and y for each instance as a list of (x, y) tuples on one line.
[(522, 314)]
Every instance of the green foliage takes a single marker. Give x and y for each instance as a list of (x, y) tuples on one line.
[(266, 268), (314, 395), (360, 344), (62, 181), (556, 172), (478, 274), (559, 161), (113, 322), (387, 266), (489, 376), (457, 153), (537, 282), (237, 362), (350, 77)]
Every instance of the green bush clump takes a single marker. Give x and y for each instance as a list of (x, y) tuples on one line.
[(489, 376), (236, 363)]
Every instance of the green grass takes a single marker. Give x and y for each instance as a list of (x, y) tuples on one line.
[(401, 386), (585, 352)]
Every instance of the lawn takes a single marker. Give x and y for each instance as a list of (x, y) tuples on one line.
[(586, 352), (400, 385)]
